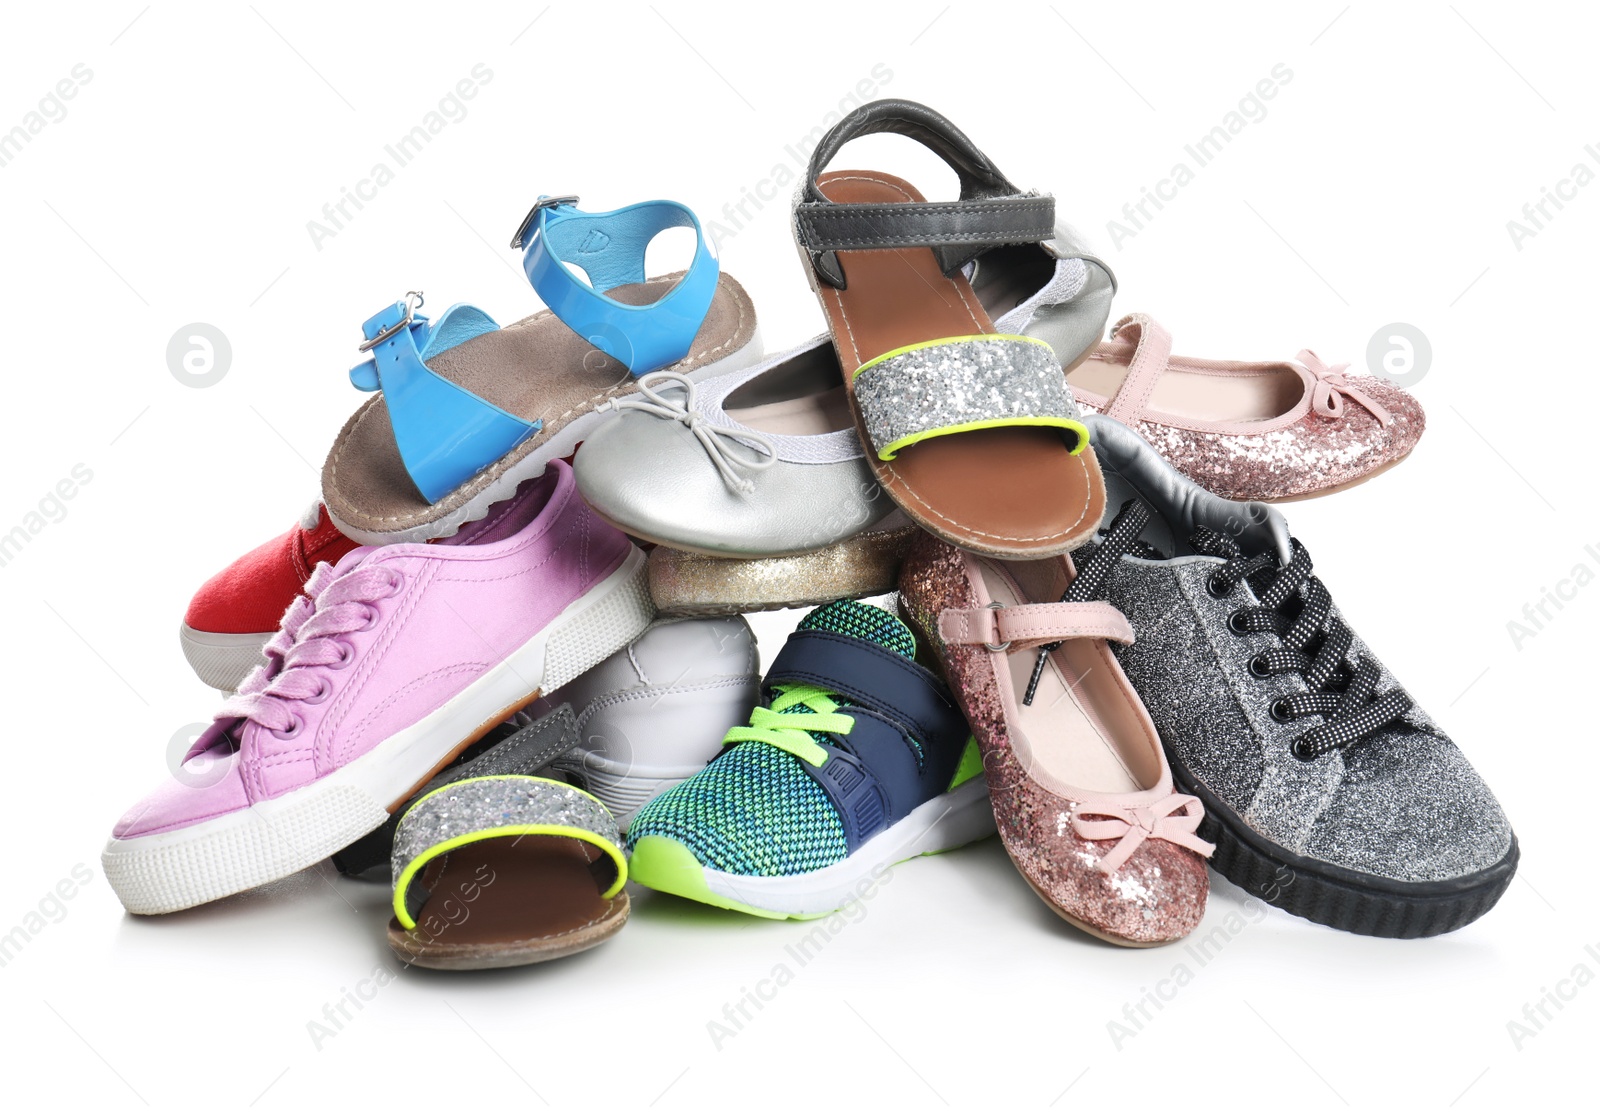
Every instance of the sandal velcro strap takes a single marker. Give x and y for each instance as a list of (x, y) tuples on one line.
[(610, 248), (990, 222), (960, 384), (1029, 625), (446, 434), (485, 807), (990, 213)]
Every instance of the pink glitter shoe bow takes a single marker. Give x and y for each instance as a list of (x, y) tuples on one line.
[(1332, 387), (1174, 819)]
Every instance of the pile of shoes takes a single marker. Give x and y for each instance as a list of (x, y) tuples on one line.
[(461, 671)]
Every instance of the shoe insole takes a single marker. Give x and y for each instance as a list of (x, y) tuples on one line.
[(812, 415), (1081, 728), (1010, 491), (510, 896), (1196, 393), (537, 369)]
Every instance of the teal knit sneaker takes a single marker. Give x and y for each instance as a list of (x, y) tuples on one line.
[(856, 759)]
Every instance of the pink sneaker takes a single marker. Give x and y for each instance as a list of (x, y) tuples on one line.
[(398, 658)]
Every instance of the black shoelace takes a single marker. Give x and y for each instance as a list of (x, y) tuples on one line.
[(1091, 577), (1293, 605)]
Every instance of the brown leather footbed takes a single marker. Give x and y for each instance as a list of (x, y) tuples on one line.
[(537, 368), (1009, 492), (510, 901)]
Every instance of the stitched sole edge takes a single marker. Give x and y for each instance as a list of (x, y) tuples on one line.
[(413, 950), (1341, 898)]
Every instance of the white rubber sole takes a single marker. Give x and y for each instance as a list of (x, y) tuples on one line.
[(947, 822), (177, 869), (561, 443), (222, 660)]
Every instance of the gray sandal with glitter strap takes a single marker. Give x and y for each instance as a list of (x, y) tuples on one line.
[(495, 871)]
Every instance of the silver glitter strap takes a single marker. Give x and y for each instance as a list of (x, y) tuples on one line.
[(458, 815), (960, 384)]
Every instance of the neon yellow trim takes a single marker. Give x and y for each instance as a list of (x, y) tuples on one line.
[(889, 451), (792, 732), (876, 359), (402, 883), (668, 866), (971, 765)]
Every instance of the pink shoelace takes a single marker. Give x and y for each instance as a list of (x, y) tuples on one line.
[(308, 638), (1173, 819)]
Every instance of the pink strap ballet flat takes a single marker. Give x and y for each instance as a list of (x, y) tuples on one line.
[(1082, 792), (1269, 432)]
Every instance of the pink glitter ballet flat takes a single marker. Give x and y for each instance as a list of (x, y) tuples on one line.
[(1082, 792), (1267, 432)]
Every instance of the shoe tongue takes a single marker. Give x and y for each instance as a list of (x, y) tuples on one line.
[(870, 623)]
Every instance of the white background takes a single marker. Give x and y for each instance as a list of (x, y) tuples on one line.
[(1376, 189)]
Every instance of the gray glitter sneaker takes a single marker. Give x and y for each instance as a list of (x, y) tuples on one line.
[(1327, 791)]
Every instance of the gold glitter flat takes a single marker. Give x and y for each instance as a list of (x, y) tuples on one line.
[(694, 584)]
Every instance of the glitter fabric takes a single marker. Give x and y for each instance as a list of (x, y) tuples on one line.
[(1313, 455), (1158, 895), (1404, 804), (693, 583), (474, 806), (958, 382)]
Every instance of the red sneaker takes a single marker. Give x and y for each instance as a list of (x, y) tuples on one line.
[(238, 609)]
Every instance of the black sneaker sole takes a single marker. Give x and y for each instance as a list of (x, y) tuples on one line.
[(1343, 898)]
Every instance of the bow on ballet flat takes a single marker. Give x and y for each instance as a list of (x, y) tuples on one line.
[(1173, 819), (1333, 386), (718, 441)]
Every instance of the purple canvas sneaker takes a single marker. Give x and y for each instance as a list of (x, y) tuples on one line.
[(395, 660)]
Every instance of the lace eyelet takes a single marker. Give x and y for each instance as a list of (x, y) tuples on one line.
[(371, 623), (1216, 588), (1280, 711), (291, 732), (1235, 625), (397, 583), (1299, 749), (346, 656), (1258, 666), (322, 694)]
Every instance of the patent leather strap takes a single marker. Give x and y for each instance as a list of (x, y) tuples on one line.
[(991, 211), (445, 434), (556, 236)]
